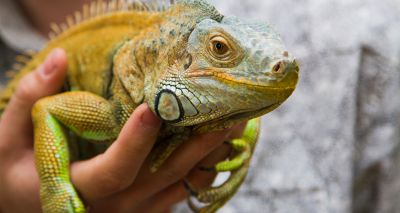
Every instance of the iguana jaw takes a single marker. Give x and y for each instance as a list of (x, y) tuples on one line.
[(283, 74), (239, 116), (245, 115), (233, 119), (223, 96), (231, 75)]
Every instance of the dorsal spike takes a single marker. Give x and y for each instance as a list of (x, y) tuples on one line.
[(70, 21), (52, 35), (55, 28), (99, 9), (29, 53), (22, 59), (78, 17), (102, 7), (145, 7), (160, 7), (64, 27), (93, 9), (151, 6), (86, 12), (17, 66), (121, 5), (20, 62), (139, 4), (132, 6), (111, 6), (11, 73)]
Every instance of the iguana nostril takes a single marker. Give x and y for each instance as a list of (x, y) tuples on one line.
[(278, 68)]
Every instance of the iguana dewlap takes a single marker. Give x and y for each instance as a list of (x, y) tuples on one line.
[(198, 70)]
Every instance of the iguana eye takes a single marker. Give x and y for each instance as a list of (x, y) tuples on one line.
[(220, 48)]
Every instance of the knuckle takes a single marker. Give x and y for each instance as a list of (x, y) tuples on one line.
[(203, 149), (26, 90), (173, 173), (202, 181), (110, 182)]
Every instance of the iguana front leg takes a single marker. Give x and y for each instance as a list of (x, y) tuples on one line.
[(167, 145), (238, 165), (89, 116)]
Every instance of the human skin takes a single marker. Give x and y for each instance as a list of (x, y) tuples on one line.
[(118, 180)]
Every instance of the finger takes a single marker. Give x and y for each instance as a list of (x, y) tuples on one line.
[(46, 80), (20, 182), (195, 150), (237, 131), (177, 192), (117, 167), (177, 166), (147, 184)]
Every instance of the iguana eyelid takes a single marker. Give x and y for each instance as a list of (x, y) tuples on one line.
[(231, 58), (225, 55)]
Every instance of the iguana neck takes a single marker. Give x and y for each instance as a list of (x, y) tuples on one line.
[(152, 53)]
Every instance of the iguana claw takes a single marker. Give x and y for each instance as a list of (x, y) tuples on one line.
[(189, 188), (238, 165)]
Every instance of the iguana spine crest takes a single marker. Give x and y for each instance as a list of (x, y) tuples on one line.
[(99, 8)]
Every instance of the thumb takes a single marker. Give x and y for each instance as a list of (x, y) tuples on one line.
[(46, 80), (117, 168)]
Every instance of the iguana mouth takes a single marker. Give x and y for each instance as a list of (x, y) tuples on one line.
[(250, 114), (230, 79), (240, 116)]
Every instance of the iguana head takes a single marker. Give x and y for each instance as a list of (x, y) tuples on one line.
[(233, 71)]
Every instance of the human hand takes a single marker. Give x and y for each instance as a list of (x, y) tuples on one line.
[(117, 180), (125, 186), (19, 182)]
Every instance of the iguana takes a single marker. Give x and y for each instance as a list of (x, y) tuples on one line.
[(198, 70)]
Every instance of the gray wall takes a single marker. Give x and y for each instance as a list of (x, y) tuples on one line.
[(334, 146)]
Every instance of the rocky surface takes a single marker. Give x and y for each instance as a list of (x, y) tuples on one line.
[(335, 145)]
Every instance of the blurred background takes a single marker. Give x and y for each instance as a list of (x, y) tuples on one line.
[(334, 145)]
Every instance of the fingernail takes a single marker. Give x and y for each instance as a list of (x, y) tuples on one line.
[(149, 119), (50, 64)]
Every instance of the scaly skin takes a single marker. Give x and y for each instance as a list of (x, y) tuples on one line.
[(197, 70), (238, 164)]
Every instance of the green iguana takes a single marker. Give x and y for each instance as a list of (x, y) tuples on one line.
[(198, 70)]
